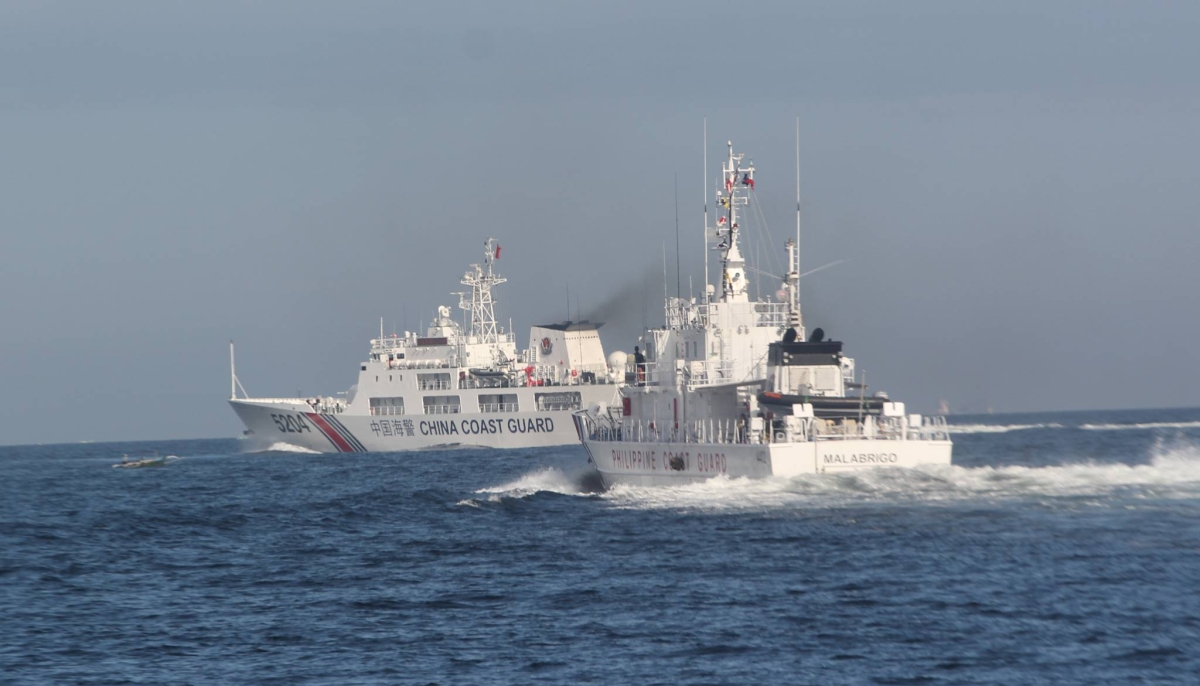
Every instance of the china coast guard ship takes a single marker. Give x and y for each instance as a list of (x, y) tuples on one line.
[(734, 386), (451, 386)]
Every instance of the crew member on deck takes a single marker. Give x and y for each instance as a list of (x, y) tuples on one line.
[(639, 365)]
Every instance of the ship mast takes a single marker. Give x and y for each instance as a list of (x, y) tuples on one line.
[(795, 320), (733, 265), (479, 303)]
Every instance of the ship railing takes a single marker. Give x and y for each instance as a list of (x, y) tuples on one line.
[(693, 372), (381, 410), (771, 314), (704, 374), (422, 363), (708, 373), (933, 428), (740, 431), (390, 343), (481, 340), (498, 407), (584, 375), (470, 382), (443, 409), (648, 374), (569, 382), (400, 342), (557, 407), (322, 405), (711, 432), (683, 314), (883, 429), (433, 385)]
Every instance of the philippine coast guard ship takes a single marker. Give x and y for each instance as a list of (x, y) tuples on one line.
[(451, 386), (734, 386)]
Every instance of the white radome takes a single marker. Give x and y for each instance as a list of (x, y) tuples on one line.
[(617, 360)]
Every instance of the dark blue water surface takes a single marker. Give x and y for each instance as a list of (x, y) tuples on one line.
[(1061, 548)]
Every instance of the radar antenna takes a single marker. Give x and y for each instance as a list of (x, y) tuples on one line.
[(729, 199), (479, 303)]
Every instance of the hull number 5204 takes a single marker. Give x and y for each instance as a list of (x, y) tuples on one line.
[(292, 424)]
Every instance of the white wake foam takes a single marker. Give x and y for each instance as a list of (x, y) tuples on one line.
[(1174, 474), (281, 447), (1148, 425), (996, 428), (548, 480)]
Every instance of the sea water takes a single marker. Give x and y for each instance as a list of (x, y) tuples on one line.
[(1059, 548)]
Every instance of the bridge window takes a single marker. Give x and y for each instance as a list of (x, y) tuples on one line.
[(441, 404), (433, 382), (551, 402), (387, 406), (498, 402)]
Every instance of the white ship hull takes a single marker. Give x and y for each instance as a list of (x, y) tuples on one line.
[(740, 388), (664, 464), (297, 424), (456, 385)]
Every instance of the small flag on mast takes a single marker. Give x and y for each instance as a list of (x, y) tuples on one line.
[(497, 251)]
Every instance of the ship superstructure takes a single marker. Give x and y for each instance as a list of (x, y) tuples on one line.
[(456, 384), (733, 385)]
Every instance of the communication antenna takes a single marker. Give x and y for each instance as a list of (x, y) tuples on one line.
[(862, 396), (664, 254), (705, 187), (678, 287), (796, 287)]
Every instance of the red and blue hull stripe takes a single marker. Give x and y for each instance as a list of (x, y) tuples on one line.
[(336, 433)]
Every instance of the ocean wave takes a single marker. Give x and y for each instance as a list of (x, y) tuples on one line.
[(996, 428), (1147, 425)]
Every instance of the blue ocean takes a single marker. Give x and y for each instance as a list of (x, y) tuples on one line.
[(1060, 548)]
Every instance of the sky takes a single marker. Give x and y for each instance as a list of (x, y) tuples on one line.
[(1012, 188)]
